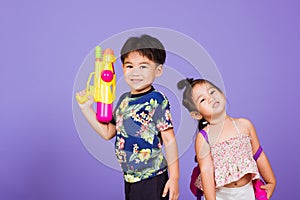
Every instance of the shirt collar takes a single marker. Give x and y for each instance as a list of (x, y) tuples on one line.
[(141, 94)]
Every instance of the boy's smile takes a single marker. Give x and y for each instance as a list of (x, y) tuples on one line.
[(140, 72)]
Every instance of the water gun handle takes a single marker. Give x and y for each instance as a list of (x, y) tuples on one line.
[(89, 91), (260, 194)]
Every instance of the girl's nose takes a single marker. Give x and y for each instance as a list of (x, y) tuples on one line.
[(210, 99)]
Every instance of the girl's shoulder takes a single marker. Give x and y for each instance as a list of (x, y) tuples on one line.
[(202, 148), (243, 124), (242, 121)]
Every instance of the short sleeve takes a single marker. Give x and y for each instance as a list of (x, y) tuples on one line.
[(162, 116), (123, 96)]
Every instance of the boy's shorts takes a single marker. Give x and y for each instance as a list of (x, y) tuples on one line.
[(148, 189)]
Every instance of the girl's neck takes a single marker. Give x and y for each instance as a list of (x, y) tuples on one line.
[(218, 120)]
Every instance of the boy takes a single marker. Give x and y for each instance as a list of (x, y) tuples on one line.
[(142, 124)]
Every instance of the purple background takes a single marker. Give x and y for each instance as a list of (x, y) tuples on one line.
[(254, 44)]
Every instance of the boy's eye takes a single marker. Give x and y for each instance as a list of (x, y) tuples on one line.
[(129, 66), (202, 100), (143, 67), (212, 92)]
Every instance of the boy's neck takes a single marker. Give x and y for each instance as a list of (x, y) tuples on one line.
[(142, 93)]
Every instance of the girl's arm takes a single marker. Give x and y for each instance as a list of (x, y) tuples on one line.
[(206, 170), (263, 163), (171, 150), (106, 131)]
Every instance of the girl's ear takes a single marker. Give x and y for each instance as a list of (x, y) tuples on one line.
[(158, 70), (196, 115)]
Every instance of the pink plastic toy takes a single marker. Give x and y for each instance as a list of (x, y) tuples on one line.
[(260, 194), (104, 86)]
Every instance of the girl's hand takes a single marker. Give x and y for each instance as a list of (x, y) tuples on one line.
[(87, 104), (173, 188), (270, 187)]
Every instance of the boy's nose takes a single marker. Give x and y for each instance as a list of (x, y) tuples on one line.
[(135, 70)]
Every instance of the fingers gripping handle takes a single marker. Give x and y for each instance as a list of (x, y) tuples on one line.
[(89, 90)]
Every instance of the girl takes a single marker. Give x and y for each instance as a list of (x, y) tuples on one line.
[(224, 146)]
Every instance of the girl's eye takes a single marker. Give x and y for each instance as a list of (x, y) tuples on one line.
[(212, 92), (202, 100), (129, 66)]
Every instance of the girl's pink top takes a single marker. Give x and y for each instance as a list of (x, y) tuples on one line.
[(232, 160)]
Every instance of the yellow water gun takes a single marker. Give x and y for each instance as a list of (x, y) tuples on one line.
[(104, 88)]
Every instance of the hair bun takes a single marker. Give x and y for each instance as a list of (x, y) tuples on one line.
[(190, 80), (184, 83)]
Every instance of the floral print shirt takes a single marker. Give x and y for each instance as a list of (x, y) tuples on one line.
[(138, 146), (232, 159)]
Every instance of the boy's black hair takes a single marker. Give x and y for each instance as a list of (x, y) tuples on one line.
[(145, 45), (187, 100)]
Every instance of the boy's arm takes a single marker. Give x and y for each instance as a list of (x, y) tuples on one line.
[(106, 131), (171, 150), (262, 162), (206, 170)]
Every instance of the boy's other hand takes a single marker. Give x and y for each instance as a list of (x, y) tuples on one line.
[(173, 188)]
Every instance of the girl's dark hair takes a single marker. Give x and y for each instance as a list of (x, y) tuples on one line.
[(187, 101), (145, 45)]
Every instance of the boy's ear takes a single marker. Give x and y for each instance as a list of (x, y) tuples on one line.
[(196, 115), (159, 70), (123, 68)]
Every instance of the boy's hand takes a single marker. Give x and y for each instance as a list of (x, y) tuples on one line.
[(87, 104), (172, 187), (270, 187)]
